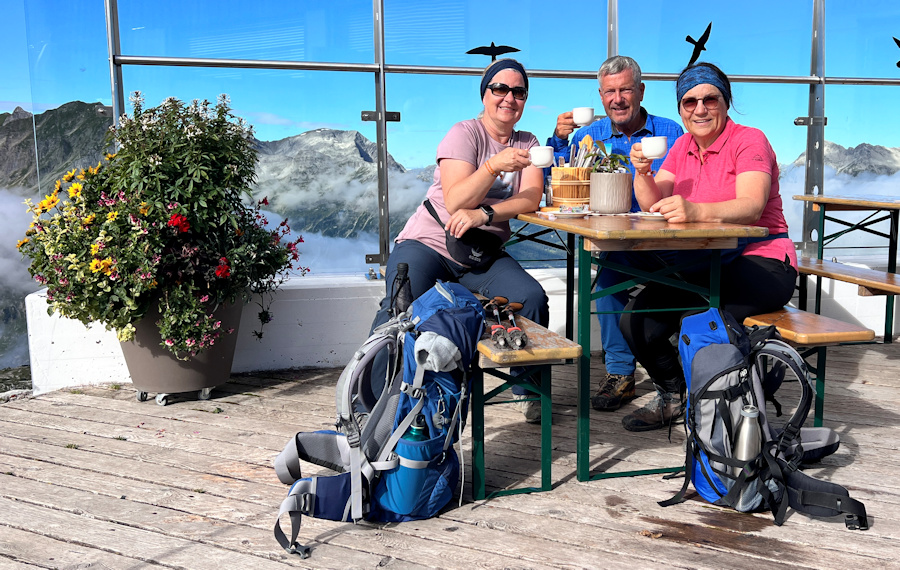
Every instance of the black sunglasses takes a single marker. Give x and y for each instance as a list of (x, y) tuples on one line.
[(690, 103), (501, 89)]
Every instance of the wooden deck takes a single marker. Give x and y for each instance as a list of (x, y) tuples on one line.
[(91, 478)]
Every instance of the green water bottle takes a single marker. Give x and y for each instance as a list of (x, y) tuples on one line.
[(418, 431)]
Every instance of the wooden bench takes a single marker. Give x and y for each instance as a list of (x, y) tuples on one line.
[(812, 334), (545, 348), (870, 281)]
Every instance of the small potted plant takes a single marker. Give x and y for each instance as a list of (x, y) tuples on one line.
[(611, 183), (160, 238)]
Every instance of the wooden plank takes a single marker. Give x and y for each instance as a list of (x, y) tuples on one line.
[(544, 346), (33, 550), (871, 281), (597, 246), (809, 329), (123, 540), (860, 202)]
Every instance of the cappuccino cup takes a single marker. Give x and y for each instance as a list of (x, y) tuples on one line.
[(583, 115), (541, 156), (654, 147)]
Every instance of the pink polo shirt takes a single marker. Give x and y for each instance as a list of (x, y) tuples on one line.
[(738, 149)]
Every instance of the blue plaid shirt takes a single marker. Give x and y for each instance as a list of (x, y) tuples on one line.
[(616, 142)]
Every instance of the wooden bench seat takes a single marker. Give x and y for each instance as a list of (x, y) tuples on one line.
[(870, 281), (544, 349), (812, 334)]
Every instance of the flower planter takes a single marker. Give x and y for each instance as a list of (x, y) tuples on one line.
[(153, 368), (611, 192)]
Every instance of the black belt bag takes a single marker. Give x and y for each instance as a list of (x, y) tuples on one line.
[(476, 248)]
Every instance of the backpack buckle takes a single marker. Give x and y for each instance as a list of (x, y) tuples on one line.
[(299, 549), (854, 522)]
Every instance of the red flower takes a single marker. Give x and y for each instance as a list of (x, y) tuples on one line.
[(223, 270), (179, 222)]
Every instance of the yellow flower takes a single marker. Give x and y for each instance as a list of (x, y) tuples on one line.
[(75, 190), (106, 266), (112, 216), (95, 248), (47, 203), (80, 175), (57, 186), (21, 242), (152, 284), (95, 266), (68, 176), (88, 220), (145, 207), (110, 156)]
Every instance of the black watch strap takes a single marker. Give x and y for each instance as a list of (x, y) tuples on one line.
[(489, 211)]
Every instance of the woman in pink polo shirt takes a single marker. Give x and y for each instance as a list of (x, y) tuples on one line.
[(718, 171)]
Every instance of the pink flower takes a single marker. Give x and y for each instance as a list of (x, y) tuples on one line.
[(170, 342), (204, 298)]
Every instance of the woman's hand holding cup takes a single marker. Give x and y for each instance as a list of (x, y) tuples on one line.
[(510, 160), (642, 164)]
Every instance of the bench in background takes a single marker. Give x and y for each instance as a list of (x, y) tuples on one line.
[(812, 334)]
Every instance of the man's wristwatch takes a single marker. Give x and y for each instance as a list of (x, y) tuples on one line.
[(489, 211)]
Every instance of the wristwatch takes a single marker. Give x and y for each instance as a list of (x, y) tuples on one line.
[(489, 211)]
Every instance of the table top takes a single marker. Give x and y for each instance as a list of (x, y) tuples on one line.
[(623, 227), (862, 202)]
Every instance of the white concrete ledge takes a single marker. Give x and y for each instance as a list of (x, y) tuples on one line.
[(318, 322)]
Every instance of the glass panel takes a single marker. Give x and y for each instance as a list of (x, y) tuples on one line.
[(318, 159), (859, 42), (756, 38), (233, 29), (440, 34), (861, 158)]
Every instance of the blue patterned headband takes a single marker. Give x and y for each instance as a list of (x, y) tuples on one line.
[(697, 75), (498, 66)]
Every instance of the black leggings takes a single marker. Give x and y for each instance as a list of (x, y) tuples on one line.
[(751, 285)]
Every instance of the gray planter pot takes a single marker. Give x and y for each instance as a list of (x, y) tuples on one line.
[(154, 369)]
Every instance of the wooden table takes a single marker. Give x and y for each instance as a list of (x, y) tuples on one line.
[(882, 208), (599, 234)]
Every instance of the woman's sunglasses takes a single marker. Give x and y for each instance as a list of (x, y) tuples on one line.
[(501, 89), (690, 103)]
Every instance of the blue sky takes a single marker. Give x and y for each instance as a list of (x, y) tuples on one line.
[(63, 58)]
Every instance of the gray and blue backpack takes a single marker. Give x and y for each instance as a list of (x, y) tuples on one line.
[(728, 366), (383, 473)]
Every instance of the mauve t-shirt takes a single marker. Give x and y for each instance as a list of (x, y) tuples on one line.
[(738, 149), (468, 141)]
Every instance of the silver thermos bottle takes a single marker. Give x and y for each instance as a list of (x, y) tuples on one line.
[(748, 441)]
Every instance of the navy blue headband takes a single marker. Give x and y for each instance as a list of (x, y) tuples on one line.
[(698, 75), (498, 66)]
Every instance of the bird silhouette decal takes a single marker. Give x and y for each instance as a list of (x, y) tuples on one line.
[(896, 41), (699, 45), (492, 50)]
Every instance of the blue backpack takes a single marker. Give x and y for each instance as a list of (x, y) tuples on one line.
[(728, 366), (384, 474)]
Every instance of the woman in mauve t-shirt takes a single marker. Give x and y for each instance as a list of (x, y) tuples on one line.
[(484, 178)]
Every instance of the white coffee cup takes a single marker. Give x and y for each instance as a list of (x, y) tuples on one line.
[(541, 156), (654, 147), (583, 115)]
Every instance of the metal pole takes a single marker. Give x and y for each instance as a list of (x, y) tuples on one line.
[(384, 226), (115, 69), (612, 28), (815, 134)]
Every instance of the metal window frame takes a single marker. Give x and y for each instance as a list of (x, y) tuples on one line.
[(815, 147)]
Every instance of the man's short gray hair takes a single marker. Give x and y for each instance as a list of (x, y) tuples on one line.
[(618, 64)]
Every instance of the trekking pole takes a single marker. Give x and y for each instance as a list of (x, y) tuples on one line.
[(517, 337), (498, 331)]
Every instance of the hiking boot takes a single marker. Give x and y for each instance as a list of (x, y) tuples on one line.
[(663, 409), (530, 408), (615, 391)]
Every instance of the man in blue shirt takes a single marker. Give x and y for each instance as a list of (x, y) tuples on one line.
[(626, 123)]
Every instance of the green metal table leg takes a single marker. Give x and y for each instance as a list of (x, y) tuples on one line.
[(478, 491), (892, 268), (583, 410), (820, 386), (546, 427)]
